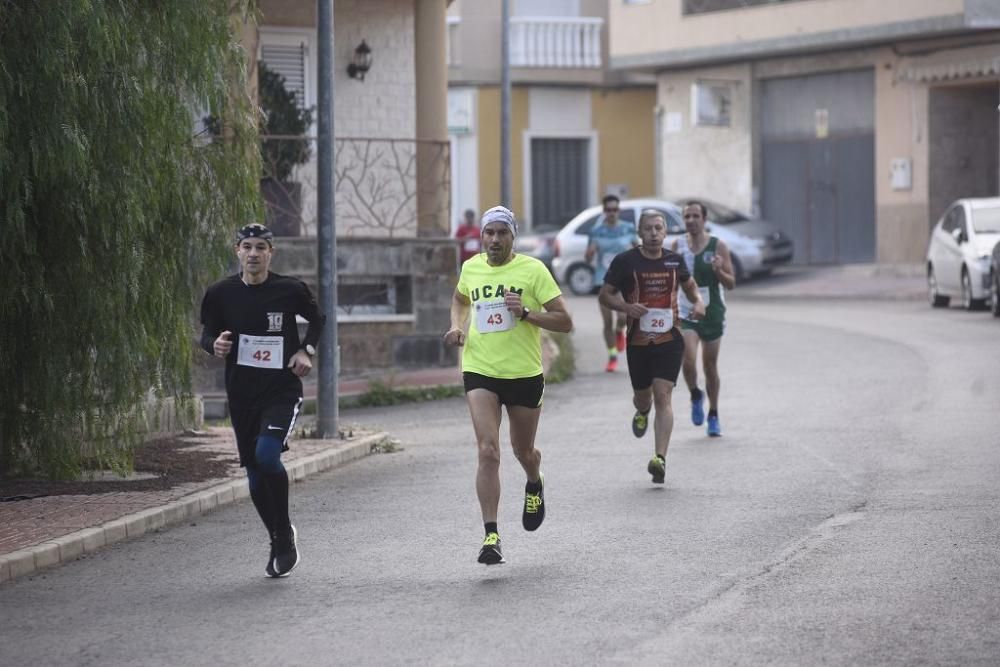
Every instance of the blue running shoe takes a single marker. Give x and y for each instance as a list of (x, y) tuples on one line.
[(714, 428), (698, 411)]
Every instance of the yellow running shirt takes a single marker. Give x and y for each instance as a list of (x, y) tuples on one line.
[(499, 345)]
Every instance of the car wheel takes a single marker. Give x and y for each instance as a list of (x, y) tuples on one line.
[(995, 294), (935, 298), (967, 301), (580, 279)]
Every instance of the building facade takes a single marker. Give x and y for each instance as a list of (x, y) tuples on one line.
[(396, 265), (850, 123), (578, 131)]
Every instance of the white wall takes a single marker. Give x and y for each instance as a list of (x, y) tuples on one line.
[(384, 104), (464, 152), (706, 161)]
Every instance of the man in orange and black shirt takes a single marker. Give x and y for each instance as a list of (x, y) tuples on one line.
[(643, 284)]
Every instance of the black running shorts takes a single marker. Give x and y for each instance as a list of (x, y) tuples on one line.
[(277, 420), (646, 362), (526, 392)]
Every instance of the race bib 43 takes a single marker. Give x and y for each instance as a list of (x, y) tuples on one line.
[(493, 316)]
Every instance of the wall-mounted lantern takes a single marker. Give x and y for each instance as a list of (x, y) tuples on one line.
[(361, 63)]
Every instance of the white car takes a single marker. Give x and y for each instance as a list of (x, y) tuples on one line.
[(958, 254), (572, 270)]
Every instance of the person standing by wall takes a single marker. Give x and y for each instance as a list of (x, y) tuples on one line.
[(468, 236)]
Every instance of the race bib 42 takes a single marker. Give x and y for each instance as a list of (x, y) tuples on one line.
[(261, 351)]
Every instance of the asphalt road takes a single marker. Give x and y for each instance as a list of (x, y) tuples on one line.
[(849, 515)]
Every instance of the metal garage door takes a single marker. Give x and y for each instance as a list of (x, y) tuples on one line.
[(818, 161), (559, 180)]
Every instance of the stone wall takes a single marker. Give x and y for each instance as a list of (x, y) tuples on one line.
[(378, 342)]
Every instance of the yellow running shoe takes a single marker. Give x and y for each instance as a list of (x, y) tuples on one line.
[(490, 554), (534, 505), (640, 421), (658, 469)]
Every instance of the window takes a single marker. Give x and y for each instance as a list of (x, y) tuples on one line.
[(949, 221), (711, 103), (986, 220), (959, 214), (675, 225), (287, 53), (374, 295), (625, 215)]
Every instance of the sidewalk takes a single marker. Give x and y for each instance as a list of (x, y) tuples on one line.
[(897, 282), (44, 531)]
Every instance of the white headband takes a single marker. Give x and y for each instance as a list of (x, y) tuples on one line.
[(499, 214)]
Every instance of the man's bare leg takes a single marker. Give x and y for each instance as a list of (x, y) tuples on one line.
[(484, 406)]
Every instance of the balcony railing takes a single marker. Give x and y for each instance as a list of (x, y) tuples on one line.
[(555, 42), (376, 184)]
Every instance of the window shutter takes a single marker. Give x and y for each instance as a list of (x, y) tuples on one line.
[(288, 60)]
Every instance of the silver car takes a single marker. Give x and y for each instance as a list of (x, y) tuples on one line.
[(776, 248), (958, 254), (750, 254)]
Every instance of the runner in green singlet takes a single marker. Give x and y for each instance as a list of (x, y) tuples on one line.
[(712, 268)]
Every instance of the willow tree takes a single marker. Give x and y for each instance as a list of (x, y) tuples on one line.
[(113, 212)]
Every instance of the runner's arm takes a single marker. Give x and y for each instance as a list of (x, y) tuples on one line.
[(690, 288), (460, 307), (611, 297), (211, 323), (591, 252), (555, 317), (722, 265), (309, 309)]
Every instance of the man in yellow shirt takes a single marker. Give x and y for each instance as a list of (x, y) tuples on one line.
[(502, 362)]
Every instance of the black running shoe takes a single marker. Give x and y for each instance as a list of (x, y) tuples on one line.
[(269, 570), (658, 469), (534, 506), (286, 555), (640, 422), (490, 552)]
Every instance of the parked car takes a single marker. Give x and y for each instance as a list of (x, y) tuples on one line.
[(539, 243), (751, 254), (776, 246), (959, 253), (995, 279)]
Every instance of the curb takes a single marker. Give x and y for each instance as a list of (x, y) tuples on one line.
[(69, 547)]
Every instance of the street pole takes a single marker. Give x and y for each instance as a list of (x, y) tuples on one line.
[(505, 196), (326, 236)]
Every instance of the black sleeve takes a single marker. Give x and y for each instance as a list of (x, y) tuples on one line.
[(617, 272), (309, 309), (211, 321)]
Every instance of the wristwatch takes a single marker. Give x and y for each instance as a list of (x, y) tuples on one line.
[(524, 313), (310, 350)]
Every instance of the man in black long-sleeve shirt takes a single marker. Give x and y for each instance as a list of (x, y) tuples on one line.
[(249, 319)]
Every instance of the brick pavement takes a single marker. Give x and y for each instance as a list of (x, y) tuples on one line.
[(49, 530)]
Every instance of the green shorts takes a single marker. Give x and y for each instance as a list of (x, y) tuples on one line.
[(707, 331)]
